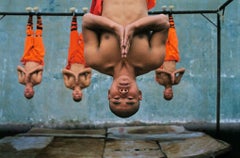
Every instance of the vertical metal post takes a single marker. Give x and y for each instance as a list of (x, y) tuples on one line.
[(218, 75)]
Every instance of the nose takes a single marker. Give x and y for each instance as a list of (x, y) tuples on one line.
[(123, 90), (77, 93)]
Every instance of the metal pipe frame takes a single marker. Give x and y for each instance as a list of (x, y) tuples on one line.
[(150, 12), (220, 8)]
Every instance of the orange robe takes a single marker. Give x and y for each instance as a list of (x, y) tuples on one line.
[(96, 6), (34, 47), (172, 52), (76, 49)]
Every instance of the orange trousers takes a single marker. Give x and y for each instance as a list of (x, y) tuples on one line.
[(34, 47), (76, 46), (96, 6), (172, 52)]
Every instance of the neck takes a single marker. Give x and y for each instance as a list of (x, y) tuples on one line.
[(123, 68), (76, 67), (29, 65), (169, 66), (29, 84)]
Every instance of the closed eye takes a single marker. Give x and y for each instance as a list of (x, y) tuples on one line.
[(116, 102), (131, 103)]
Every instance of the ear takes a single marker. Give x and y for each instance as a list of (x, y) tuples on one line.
[(140, 95)]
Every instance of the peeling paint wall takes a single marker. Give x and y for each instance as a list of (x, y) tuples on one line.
[(194, 98)]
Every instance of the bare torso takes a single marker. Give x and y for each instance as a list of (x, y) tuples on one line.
[(108, 52), (29, 65), (30, 73), (124, 11)]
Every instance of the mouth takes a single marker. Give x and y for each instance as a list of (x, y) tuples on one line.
[(124, 84), (124, 81)]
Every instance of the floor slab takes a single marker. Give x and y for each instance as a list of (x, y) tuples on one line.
[(118, 142), (93, 133), (22, 147), (73, 148), (132, 149)]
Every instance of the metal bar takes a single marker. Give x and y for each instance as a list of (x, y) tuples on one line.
[(40, 13), (2, 17), (150, 12), (218, 97), (209, 20), (81, 14), (184, 12), (224, 4)]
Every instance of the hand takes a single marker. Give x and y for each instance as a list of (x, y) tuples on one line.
[(124, 50), (173, 77), (21, 74), (128, 35), (119, 30)]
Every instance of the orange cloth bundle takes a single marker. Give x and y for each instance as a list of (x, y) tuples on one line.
[(34, 48), (76, 49), (151, 4), (172, 52), (96, 6)]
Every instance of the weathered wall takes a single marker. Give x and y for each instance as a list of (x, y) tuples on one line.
[(195, 97)]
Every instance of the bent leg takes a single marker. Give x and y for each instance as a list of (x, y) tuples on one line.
[(29, 27), (76, 46), (28, 41), (172, 51), (39, 50)]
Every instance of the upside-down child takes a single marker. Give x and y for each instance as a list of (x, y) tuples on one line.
[(167, 75), (76, 74), (30, 74), (124, 42)]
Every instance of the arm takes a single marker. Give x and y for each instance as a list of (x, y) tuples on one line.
[(36, 74), (68, 78), (163, 77), (101, 50), (177, 75), (159, 71), (93, 25), (99, 23), (85, 77), (21, 75), (155, 46), (156, 23)]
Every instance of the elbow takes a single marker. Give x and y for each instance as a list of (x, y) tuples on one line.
[(165, 21), (86, 19)]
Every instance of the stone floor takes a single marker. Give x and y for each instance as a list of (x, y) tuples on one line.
[(166, 141)]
